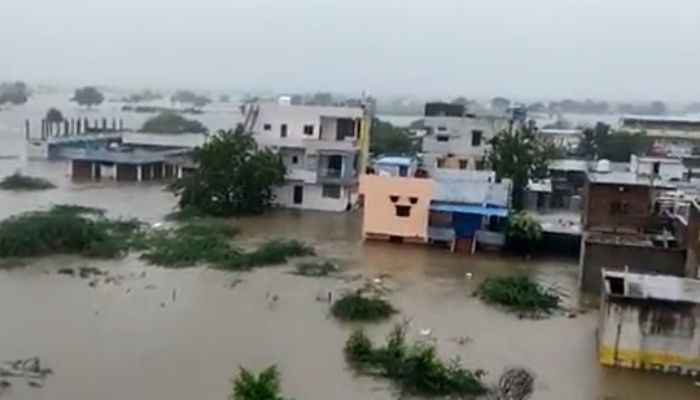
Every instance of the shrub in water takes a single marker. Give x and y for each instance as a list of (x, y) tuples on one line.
[(518, 293), (202, 241), (316, 269), (264, 386), (357, 307), (17, 181), (65, 230), (414, 368), (274, 252)]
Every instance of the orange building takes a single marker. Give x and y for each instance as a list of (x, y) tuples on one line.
[(395, 207)]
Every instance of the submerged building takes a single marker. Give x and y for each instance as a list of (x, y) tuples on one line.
[(324, 150), (650, 322), (459, 210)]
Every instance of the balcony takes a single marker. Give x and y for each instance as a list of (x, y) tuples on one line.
[(301, 175), (336, 176), (316, 145)]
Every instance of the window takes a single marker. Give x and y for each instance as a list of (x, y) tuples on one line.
[(618, 207), (413, 200), (308, 130), (295, 160), (442, 138), (476, 138), (480, 165), (403, 211), (283, 130), (331, 191), (267, 127), (394, 198), (440, 162), (403, 170), (656, 167), (463, 164), (442, 129)]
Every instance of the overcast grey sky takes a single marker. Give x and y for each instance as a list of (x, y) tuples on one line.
[(616, 49)]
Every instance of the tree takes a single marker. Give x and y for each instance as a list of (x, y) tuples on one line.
[(88, 96), (389, 139), (461, 100), (224, 98), (519, 156), (537, 107), (54, 116), (264, 386), (233, 176), (14, 93), (500, 103), (169, 122), (321, 99), (189, 97), (146, 95), (602, 143)]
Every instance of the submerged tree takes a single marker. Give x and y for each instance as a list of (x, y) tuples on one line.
[(601, 142), (169, 122), (233, 176), (88, 96), (519, 156), (14, 93), (54, 116), (264, 386)]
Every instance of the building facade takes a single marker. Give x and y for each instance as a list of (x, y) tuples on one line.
[(456, 139), (323, 149), (626, 226), (650, 322)]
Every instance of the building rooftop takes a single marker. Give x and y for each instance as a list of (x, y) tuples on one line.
[(136, 156), (555, 131), (569, 165), (654, 287), (322, 111), (659, 118), (472, 192), (390, 160), (627, 178)]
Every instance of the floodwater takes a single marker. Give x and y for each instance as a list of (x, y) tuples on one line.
[(182, 334)]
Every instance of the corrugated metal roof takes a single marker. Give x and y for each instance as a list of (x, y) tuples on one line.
[(469, 209)]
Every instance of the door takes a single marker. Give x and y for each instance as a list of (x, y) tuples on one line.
[(298, 194)]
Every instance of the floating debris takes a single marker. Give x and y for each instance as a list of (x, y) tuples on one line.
[(515, 384), (29, 368), (150, 287), (461, 340), (174, 295), (66, 271), (35, 384), (233, 283), (87, 272)]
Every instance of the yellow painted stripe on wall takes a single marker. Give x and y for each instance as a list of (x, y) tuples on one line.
[(606, 356)]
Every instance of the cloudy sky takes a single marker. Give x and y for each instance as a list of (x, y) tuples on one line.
[(614, 49)]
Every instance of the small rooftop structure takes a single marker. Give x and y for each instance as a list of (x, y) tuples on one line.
[(569, 165), (393, 160), (627, 178), (654, 287)]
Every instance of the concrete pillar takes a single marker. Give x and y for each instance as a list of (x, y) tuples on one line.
[(26, 129), (179, 172), (139, 173), (94, 170)]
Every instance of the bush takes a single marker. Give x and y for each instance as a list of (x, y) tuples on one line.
[(414, 368), (316, 269), (523, 232), (204, 241), (169, 122), (17, 181), (356, 307), (274, 252), (264, 386), (66, 229), (518, 293)]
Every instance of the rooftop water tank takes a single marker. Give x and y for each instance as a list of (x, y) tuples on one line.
[(603, 166)]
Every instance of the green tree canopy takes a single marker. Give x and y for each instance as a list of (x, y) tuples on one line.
[(519, 156), (601, 142), (233, 176), (264, 386), (54, 116), (389, 139), (88, 96), (14, 93), (169, 122), (500, 103)]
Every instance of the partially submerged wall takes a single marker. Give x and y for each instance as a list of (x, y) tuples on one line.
[(650, 334)]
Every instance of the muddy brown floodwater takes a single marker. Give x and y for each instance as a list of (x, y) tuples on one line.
[(182, 334)]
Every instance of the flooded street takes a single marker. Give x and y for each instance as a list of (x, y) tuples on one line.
[(182, 334)]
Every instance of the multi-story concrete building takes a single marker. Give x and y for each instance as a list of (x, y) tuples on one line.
[(323, 148), (457, 139)]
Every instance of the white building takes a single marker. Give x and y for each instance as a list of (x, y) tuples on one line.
[(456, 139), (667, 169), (675, 136), (395, 166), (567, 139), (322, 149)]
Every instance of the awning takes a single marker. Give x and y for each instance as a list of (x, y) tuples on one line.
[(469, 209)]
